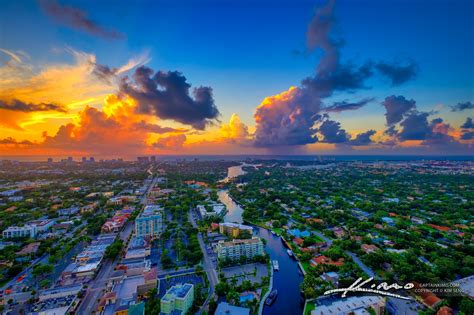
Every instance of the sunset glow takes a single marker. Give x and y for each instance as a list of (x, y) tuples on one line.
[(82, 91)]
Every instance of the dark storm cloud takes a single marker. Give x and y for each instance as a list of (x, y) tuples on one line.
[(396, 108), (468, 135), (77, 19), (345, 105), (332, 132), (415, 127), (167, 95), (318, 36), (362, 138), (10, 140), (398, 73), (462, 106), (19, 106), (289, 117), (344, 77), (143, 125), (468, 124), (391, 131)]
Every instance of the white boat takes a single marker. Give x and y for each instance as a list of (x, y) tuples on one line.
[(273, 233), (275, 264), (290, 253)]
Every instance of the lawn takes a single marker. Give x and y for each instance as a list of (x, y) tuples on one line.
[(309, 306), (317, 238), (306, 266), (277, 230)]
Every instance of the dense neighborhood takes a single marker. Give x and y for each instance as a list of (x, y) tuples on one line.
[(225, 237)]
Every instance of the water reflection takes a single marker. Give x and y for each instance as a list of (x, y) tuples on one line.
[(234, 211)]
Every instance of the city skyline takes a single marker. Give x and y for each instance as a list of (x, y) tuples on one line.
[(79, 78)]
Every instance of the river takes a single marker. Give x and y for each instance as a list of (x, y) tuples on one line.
[(288, 279)]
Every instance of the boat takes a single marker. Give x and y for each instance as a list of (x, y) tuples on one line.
[(273, 232), (275, 264), (271, 297), (290, 253)]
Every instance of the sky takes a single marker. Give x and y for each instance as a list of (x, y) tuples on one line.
[(128, 78)]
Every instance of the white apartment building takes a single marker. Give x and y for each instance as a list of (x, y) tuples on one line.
[(217, 209), (237, 248), (150, 221), (20, 231), (42, 225)]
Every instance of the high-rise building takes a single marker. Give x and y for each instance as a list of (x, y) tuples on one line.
[(84, 159), (236, 248), (92, 159), (50, 160), (178, 299), (150, 221)]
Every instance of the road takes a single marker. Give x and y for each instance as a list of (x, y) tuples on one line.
[(363, 266), (324, 238), (95, 289), (208, 266)]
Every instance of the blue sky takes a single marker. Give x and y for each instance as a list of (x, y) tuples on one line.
[(248, 50), (245, 50)]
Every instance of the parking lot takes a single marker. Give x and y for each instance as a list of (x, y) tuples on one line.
[(166, 282), (253, 272)]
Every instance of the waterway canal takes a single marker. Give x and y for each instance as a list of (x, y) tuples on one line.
[(288, 279)]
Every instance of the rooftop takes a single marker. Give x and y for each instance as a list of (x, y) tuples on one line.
[(151, 210), (177, 291), (236, 225), (342, 306), (466, 285), (226, 309), (234, 242)]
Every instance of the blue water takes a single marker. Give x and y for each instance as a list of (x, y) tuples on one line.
[(234, 211), (287, 280), (247, 297)]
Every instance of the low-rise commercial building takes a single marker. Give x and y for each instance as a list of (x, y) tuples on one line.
[(88, 261), (56, 301), (351, 305)]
